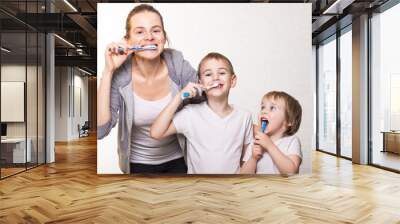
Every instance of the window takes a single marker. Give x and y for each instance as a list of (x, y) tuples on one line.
[(327, 96), (385, 89), (346, 93), (22, 75)]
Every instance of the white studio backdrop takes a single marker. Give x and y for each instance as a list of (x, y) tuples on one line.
[(269, 46)]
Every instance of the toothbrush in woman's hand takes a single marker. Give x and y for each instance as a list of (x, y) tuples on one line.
[(187, 94), (121, 50)]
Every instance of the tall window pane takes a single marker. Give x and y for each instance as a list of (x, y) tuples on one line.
[(346, 94), (327, 96), (22, 88), (385, 84)]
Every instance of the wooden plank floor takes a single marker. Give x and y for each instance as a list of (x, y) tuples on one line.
[(10, 171), (70, 191)]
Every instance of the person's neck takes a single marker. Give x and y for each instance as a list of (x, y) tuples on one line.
[(148, 69), (220, 106)]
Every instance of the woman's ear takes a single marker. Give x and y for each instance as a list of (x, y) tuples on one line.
[(166, 41), (233, 80)]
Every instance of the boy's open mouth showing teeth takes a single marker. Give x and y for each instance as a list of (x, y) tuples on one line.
[(215, 85)]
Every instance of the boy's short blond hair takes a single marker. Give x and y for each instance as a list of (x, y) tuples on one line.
[(216, 56), (292, 112)]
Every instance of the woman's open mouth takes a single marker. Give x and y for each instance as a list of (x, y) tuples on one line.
[(149, 47)]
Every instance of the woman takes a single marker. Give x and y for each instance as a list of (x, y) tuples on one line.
[(135, 87)]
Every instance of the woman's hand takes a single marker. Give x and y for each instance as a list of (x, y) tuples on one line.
[(113, 57), (262, 139), (192, 89)]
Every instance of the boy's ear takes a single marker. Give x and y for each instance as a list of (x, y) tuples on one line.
[(233, 80)]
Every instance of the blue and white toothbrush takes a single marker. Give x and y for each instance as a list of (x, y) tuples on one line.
[(137, 48), (199, 90)]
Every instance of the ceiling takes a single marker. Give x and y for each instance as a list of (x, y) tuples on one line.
[(76, 21)]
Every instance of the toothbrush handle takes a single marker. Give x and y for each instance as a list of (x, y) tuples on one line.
[(187, 94), (121, 49)]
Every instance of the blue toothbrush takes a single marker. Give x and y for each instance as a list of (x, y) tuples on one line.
[(263, 125)]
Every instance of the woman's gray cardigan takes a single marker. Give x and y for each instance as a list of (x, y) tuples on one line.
[(121, 104)]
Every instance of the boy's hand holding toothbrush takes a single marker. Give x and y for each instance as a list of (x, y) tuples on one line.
[(262, 140), (190, 90), (194, 89), (260, 136)]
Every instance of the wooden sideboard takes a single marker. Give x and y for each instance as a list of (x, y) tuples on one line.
[(391, 141)]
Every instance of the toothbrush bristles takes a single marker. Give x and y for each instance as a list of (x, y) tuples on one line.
[(213, 85), (150, 47)]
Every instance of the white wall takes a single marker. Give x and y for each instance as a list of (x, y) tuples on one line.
[(68, 81), (12, 99), (61, 103), (14, 72), (269, 46), (80, 83)]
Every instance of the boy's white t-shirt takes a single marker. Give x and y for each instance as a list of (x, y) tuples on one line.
[(289, 145), (214, 144)]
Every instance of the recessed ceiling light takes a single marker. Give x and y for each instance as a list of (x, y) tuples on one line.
[(5, 50), (84, 71), (70, 5), (64, 40), (337, 7)]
